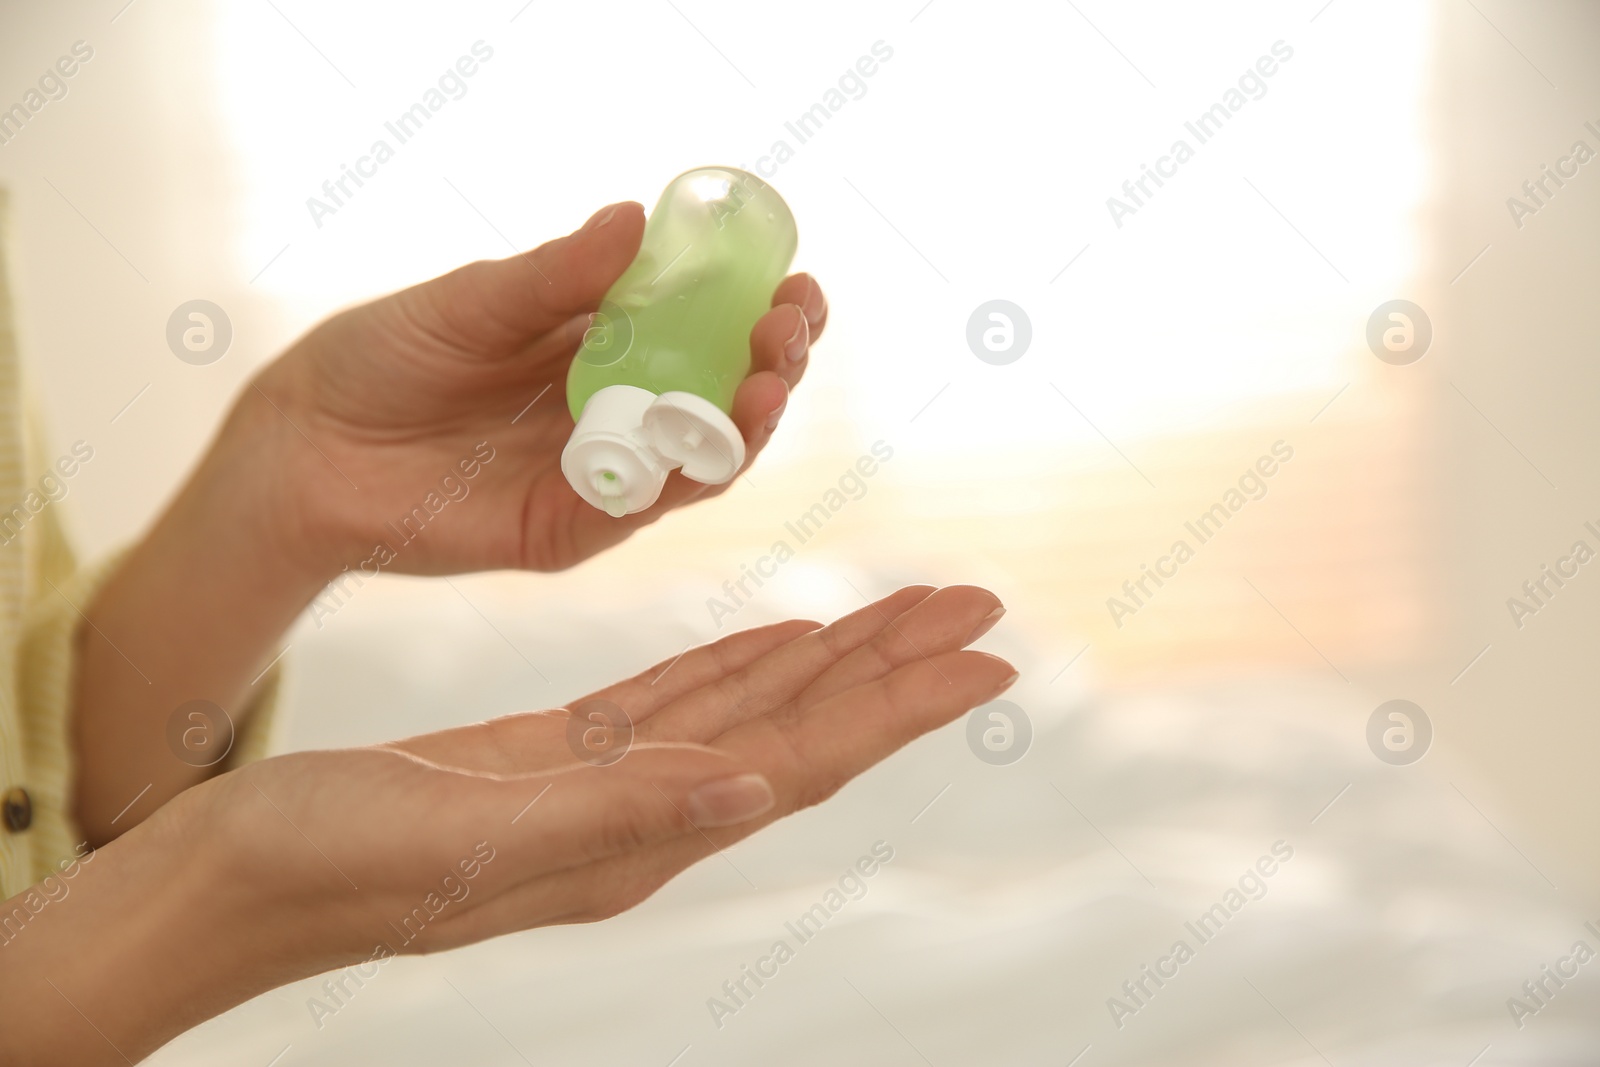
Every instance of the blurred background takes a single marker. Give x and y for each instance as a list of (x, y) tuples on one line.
[(1158, 350)]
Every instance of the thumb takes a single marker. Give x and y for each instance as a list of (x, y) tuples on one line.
[(498, 303), (655, 793)]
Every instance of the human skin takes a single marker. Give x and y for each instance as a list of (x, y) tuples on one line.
[(348, 430), (302, 863)]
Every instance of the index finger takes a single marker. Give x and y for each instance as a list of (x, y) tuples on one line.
[(802, 290)]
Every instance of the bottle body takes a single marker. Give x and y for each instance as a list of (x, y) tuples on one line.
[(679, 318), (652, 386)]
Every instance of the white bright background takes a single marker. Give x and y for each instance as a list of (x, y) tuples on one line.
[(994, 169), (975, 167)]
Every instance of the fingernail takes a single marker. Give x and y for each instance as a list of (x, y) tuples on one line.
[(599, 218), (986, 624), (777, 413), (1003, 686), (814, 304), (794, 349), (730, 800)]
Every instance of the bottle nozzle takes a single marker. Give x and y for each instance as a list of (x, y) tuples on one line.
[(627, 439), (612, 497)]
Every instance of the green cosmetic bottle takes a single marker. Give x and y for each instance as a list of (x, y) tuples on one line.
[(652, 386)]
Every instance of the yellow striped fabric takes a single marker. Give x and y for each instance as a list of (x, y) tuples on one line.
[(42, 591)]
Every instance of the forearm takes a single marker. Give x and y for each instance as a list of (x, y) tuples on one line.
[(195, 611), (116, 954)]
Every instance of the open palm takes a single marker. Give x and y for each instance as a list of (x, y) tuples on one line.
[(728, 738)]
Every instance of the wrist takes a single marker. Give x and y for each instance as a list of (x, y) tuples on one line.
[(145, 938), (196, 610), (264, 467)]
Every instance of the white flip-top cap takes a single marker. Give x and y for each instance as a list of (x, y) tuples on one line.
[(627, 439), (691, 432)]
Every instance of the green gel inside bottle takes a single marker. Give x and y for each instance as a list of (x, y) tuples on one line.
[(653, 383)]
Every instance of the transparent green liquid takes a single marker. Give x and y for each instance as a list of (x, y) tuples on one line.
[(715, 248)]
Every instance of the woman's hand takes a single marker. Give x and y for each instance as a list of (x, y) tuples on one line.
[(726, 739), (430, 423), (382, 404), (311, 861)]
